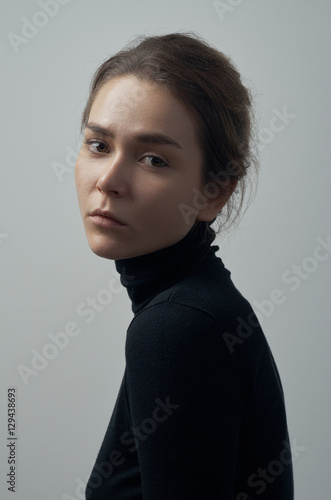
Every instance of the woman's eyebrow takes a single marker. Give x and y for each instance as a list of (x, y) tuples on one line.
[(144, 137)]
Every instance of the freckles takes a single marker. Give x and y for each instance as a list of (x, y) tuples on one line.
[(80, 178), (83, 176)]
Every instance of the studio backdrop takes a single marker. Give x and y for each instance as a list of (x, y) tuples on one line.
[(64, 313)]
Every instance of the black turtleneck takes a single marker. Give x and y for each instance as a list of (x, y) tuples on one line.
[(200, 413)]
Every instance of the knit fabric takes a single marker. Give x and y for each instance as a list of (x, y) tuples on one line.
[(200, 413)]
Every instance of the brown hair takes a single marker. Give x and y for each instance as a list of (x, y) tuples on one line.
[(210, 87)]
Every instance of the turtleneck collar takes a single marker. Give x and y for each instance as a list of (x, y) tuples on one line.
[(147, 275)]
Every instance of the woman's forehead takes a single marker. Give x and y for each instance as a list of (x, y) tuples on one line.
[(141, 107)]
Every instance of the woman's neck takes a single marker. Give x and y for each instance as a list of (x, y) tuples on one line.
[(147, 275)]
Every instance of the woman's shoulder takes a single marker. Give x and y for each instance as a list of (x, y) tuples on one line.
[(203, 300), (208, 290)]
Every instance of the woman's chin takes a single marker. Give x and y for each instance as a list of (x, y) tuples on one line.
[(105, 249)]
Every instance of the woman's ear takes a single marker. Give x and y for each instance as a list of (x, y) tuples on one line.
[(216, 196)]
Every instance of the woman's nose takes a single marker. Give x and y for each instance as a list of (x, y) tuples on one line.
[(112, 179)]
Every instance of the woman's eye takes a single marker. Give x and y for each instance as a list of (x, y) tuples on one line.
[(96, 146), (99, 147), (155, 161)]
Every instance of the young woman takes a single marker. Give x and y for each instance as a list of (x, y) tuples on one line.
[(200, 412)]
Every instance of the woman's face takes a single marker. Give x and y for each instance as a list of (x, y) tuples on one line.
[(139, 166)]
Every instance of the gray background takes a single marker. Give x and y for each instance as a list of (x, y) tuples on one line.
[(48, 271)]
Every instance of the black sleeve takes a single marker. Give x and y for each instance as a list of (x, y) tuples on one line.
[(184, 403)]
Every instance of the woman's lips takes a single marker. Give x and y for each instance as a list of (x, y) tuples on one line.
[(105, 220)]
